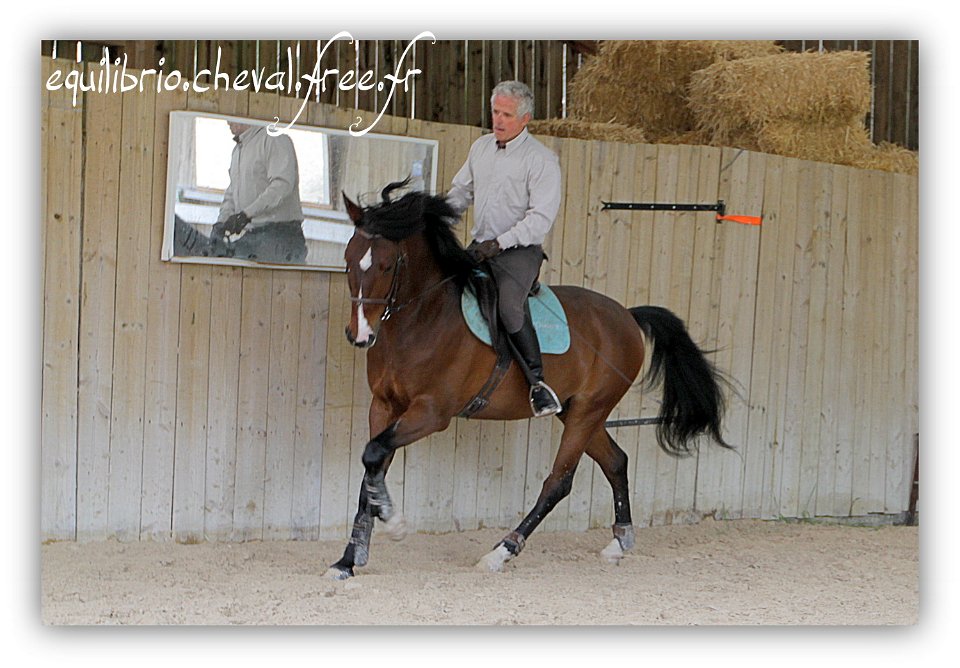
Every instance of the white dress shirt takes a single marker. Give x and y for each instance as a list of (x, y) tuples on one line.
[(264, 179), (515, 190)]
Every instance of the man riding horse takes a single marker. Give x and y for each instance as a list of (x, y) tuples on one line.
[(514, 183)]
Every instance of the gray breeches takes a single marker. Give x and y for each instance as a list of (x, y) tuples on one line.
[(515, 270)]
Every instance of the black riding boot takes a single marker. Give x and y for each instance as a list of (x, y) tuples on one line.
[(543, 400)]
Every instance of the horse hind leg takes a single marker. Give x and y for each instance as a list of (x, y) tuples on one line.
[(613, 462), (556, 487)]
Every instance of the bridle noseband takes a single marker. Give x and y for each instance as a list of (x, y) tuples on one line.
[(391, 299)]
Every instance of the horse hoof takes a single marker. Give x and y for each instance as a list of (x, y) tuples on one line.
[(337, 573), (396, 527), (493, 562), (612, 553)]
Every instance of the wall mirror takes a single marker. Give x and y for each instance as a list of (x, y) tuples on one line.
[(289, 186)]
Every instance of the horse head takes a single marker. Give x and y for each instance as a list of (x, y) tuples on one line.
[(373, 272), (404, 245)]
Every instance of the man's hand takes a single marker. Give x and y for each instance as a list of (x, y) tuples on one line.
[(235, 223), (483, 250)]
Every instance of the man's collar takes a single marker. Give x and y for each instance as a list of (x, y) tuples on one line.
[(248, 133), (516, 141)]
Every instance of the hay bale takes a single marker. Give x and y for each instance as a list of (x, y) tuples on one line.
[(736, 99), (889, 157), (644, 83), (573, 128), (691, 138), (836, 143)]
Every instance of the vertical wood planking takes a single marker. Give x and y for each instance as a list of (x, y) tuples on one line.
[(97, 291), (847, 430), (704, 305), (338, 413), (898, 478), (810, 410), (911, 316), (641, 258), (688, 225), (163, 322), (832, 329), (878, 359), (130, 340), (766, 377), (746, 195), (664, 228), (310, 408), (868, 470), (796, 361), (61, 308)]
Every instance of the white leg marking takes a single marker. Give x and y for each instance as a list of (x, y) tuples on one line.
[(612, 553), (494, 561), (396, 527)]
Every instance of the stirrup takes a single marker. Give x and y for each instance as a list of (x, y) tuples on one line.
[(551, 409)]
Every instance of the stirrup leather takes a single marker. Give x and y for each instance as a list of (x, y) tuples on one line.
[(547, 410)]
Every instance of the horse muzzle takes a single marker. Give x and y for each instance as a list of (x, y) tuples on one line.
[(367, 343)]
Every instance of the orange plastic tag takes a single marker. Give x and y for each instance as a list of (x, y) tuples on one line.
[(743, 220)]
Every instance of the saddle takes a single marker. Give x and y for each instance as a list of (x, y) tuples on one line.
[(478, 304)]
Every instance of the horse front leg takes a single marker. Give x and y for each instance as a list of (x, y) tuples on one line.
[(420, 420), (357, 551)]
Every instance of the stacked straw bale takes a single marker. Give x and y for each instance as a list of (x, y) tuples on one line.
[(573, 128), (803, 105), (643, 84), (889, 157), (744, 94)]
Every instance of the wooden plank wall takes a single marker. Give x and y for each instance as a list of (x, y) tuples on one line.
[(221, 403)]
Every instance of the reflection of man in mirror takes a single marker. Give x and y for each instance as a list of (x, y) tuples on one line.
[(260, 218)]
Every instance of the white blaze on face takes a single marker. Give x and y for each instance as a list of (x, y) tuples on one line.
[(367, 260), (364, 330)]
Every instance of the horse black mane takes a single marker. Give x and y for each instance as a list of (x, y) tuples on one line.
[(418, 212)]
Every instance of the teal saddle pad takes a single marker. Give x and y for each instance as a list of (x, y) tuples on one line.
[(549, 320)]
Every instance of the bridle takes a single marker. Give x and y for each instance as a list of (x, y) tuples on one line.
[(390, 301)]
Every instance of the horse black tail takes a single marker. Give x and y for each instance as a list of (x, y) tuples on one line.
[(693, 402)]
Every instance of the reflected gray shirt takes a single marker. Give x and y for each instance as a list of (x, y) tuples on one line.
[(264, 179), (515, 190)]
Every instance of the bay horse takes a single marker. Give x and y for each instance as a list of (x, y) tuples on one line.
[(406, 271)]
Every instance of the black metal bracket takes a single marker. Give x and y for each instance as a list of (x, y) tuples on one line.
[(720, 207)]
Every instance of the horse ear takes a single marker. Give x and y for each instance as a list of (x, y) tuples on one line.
[(354, 211)]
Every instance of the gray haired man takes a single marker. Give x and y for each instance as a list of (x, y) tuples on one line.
[(514, 184)]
